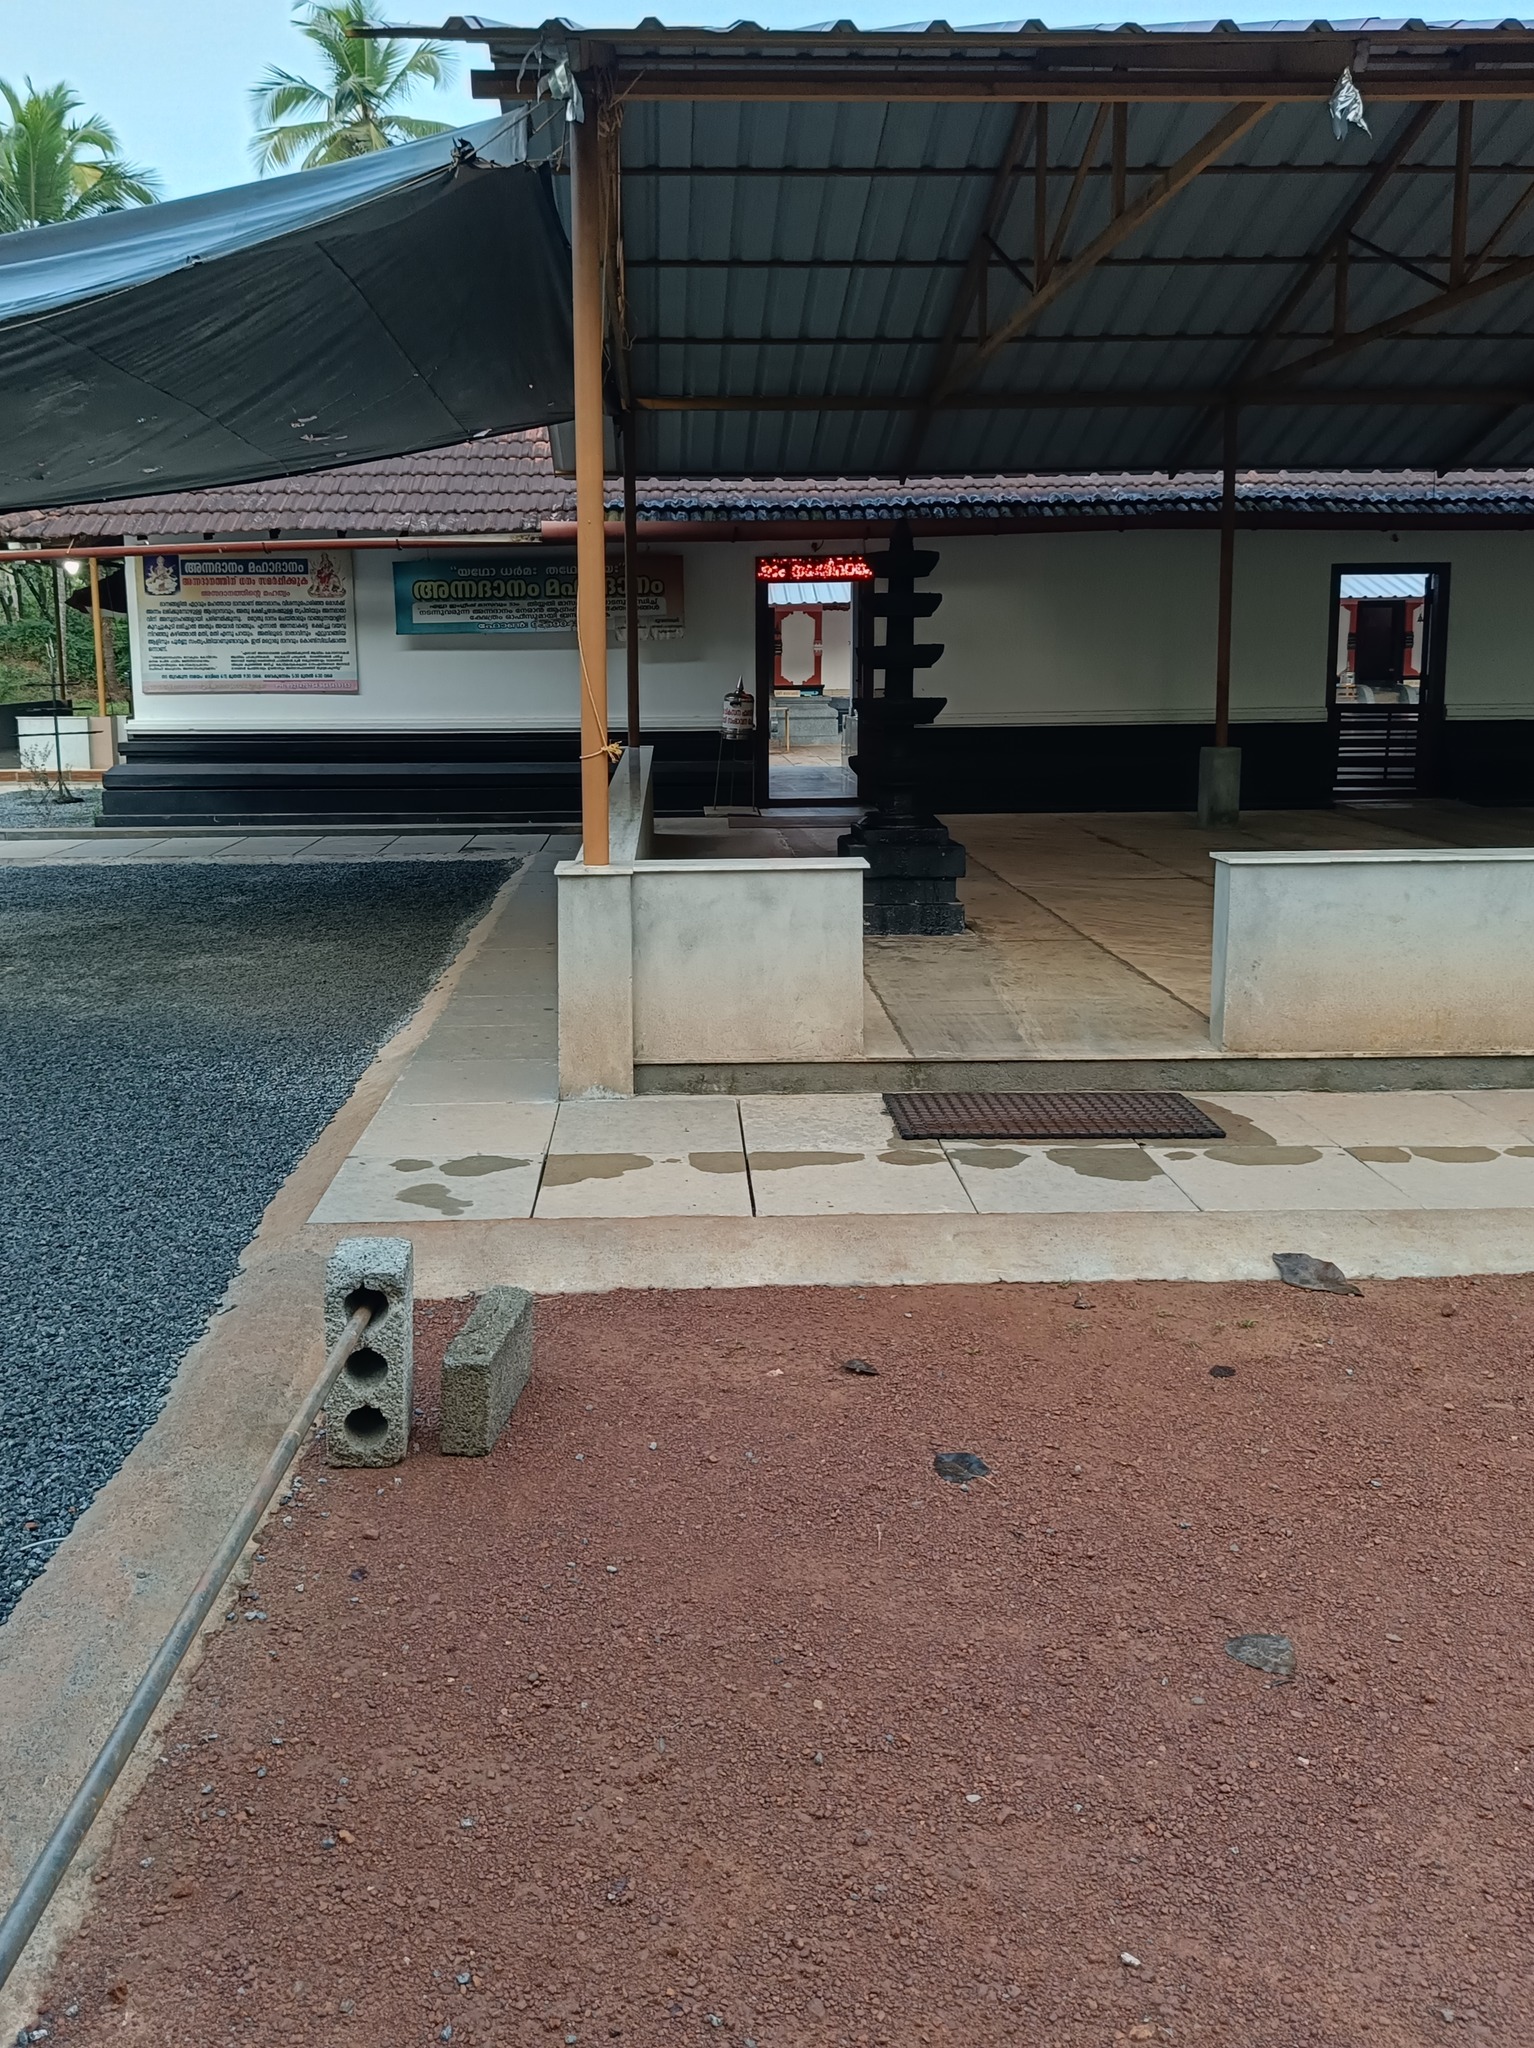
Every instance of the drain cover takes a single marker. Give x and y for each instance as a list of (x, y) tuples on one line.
[(1123, 1114)]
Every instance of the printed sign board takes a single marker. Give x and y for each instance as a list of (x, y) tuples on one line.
[(277, 622), (527, 594)]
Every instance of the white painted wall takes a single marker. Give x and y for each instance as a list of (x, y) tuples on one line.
[(1040, 629), (464, 683)]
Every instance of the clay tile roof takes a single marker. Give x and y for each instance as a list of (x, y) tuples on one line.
[(505, 485)]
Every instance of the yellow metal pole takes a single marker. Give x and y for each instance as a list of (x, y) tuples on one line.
[(590, 538), (101, 658)]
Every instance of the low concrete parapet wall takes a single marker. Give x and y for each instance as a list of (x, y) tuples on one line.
[(668, 961), (663, 961), (1419, 951)]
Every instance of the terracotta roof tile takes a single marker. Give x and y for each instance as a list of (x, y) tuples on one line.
[(506, 484)]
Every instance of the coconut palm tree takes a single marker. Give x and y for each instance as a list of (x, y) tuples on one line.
[(53, 167), (355, 107)]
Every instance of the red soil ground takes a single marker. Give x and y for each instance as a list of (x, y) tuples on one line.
[(704, 1711)]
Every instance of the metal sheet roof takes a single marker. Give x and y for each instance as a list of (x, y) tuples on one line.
[(805, 212)]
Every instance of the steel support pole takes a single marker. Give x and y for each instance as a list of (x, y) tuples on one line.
[(631, 572), (1227, 581), (590, 539), (96, 633)]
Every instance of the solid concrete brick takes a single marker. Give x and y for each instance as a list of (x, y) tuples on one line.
[(367, 1416), (487, 1365)]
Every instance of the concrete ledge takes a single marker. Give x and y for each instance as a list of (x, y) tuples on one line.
[(1213, 1070), (589, 1257), (487, 1366), (1401, 951)]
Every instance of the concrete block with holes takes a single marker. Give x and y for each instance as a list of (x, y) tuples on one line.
[(487, 1365), (367, 1417)]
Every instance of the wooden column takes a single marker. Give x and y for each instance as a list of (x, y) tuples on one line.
[(1227, 581), (590, 539), (631, 572)]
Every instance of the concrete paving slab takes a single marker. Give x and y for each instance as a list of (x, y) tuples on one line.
[(197, 847), (1056, 1179), (656, 1155), (36, 850), (271, 846), (1514, 1106), (1415, 1117), (429, 1078), (824, 1155), (1254, 1118), (110, 851), (404, 1130), (352, 846), (1456, 1176), (490, 1185), (1236, 1177)]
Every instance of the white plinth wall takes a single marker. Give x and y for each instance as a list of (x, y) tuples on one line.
[(1423, 951), (664, 962)]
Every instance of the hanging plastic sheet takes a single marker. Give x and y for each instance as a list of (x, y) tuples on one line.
[(401, 301)]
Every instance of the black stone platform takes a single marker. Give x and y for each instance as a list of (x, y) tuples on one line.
[(222, 780)]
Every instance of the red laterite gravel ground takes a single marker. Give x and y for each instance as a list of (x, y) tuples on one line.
[(704, 1711)]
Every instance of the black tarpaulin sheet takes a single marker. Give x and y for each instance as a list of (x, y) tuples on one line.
[(405, 300)]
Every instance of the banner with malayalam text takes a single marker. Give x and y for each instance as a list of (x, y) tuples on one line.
[(249, 623), (530, 593)]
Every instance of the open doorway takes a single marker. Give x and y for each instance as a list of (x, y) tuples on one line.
[(808, 634), (1385, 681)]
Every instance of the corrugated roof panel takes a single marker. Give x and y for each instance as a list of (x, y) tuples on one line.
[(745, 284)]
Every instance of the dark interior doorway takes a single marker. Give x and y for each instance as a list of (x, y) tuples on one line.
[(1385, 679)]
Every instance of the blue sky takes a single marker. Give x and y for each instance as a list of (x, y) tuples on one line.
[(174, 78)]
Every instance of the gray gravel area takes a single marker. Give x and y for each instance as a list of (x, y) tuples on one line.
[(21, 809), (175, 1038)]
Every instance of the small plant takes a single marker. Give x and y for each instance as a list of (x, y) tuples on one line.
[(47, 782)]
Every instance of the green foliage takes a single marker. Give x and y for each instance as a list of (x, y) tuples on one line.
[(29, 639), (53, 167), (354, 107)]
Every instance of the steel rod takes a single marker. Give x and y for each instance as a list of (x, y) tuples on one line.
[(96, 635), (1227, 581), (590, 543), (43, 1879)]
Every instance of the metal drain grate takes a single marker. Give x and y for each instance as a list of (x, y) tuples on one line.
[(1126, 1114)]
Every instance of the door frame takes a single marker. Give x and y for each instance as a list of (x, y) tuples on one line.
[(766, 647), (1430, 697)]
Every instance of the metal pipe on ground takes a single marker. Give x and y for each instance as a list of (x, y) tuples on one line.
[(62, 1846)]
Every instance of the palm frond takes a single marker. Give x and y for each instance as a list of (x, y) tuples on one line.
[(411, 127), (355, 104)]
